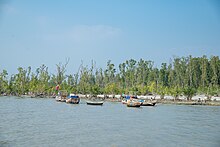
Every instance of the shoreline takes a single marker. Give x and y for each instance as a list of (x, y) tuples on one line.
[(172, 102), (159, 101)]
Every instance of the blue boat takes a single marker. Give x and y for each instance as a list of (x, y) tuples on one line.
[(73, 99)]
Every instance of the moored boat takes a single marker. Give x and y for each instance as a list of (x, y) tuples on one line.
[(148, 103), (94, 102), (61, 97), (58, 98), (125, 100), (73, 99), (133, 103)]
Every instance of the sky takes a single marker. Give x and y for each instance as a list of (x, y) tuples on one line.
[(49, 32)]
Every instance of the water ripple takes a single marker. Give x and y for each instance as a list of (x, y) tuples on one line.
[(44, 122)]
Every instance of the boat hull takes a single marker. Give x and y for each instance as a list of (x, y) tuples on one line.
[(133, 104), (94, 103), (73, 101), (129, 105), (148, 103)]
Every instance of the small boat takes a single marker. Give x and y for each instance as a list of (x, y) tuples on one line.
[(132, 103), (94, 102), (125, 100), (73, 99), (58, 98), (148, 103), (61, 97)]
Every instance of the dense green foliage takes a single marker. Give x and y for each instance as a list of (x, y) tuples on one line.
[(185, 75)]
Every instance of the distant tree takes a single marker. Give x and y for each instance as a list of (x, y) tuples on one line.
[(189, 92), (163, 75), (183, 75), (3, 82), (61, 69)]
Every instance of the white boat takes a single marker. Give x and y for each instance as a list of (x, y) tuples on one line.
[(94, 102)]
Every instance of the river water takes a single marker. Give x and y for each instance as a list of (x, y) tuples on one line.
[(30, 122)]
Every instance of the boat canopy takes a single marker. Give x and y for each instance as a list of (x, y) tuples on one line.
[(73, 96), (127, 97), (134, 97)]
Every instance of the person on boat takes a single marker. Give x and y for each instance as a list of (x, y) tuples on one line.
[(57, 88)]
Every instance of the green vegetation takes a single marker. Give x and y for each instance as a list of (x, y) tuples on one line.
[(185, 75)]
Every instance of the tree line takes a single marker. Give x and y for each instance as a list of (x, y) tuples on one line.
[(183, 75)]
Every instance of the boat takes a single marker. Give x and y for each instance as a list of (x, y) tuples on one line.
[(58, 98), (125, 99), (61, 97), (148, 103), (133, 103), (94, 102), (73, 99)]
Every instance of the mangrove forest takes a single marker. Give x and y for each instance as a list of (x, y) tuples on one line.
[(183, 75)]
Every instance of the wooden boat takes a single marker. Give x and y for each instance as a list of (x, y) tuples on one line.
[(132, 103), (73, 99), (94, 102), (148, 103)]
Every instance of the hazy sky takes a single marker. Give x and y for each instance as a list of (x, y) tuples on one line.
[(47, 32)]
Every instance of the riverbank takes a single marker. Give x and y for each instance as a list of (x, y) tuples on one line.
[(173, 102), (167, 100)]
